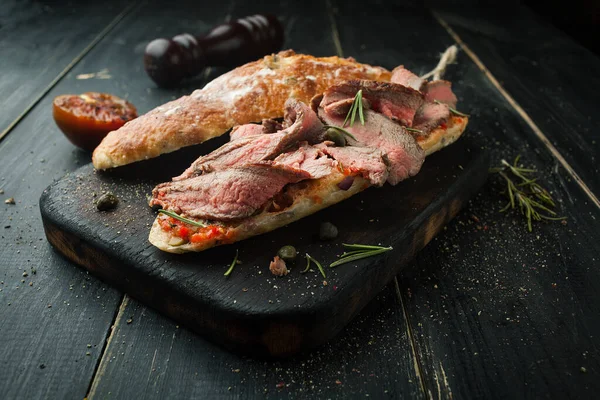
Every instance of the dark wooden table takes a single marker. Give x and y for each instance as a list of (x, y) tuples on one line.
[(486, 310)]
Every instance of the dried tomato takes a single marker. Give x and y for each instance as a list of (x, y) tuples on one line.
[(87, 118)]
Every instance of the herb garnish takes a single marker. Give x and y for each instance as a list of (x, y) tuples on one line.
[(452, 109), (358, 251), (526, 192), (307, 266), (228, 272), (182, 219), (345, 132), (356, 106), (309, 259), (408, 128)]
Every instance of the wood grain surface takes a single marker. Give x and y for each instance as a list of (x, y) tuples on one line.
[(357, 354), (548, 75), (251, 311), (53, 319), (148, 354), (486, 310), (486, 294), (40, 42)]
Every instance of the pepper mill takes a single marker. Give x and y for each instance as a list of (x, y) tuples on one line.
[(169, 61)]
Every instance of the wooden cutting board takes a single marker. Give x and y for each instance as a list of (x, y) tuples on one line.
[(252, 311)]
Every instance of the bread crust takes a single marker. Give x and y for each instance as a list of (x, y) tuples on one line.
[(250, 93), (308, 198)]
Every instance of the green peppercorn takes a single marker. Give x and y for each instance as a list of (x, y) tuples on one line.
[(328, 231), (336, 137), (287, 253), (107, 202)]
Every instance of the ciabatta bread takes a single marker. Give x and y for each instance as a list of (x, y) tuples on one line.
[(250, 93)]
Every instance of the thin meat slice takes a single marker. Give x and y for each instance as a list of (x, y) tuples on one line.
[(404, 155), (397, 102), (272, 126), (304, 125), (226, 195), (267, 126), (308, 158), (241, 131), (369, 162), (430, 116), (441, 91), (319, 160), (402, 76)]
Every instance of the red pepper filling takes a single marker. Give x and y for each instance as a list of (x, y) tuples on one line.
[(192, 233)]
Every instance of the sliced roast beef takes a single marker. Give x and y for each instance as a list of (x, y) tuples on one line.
[(267, 126), (369, 162), (236, 192), (307, 158), (241, 131), (430, 116), (245, 150), (402, 76), (398, 102), (404, 155), (272, 126), (304, 125), (441, 91)]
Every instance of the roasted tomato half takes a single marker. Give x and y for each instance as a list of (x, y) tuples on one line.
[(86, 118)]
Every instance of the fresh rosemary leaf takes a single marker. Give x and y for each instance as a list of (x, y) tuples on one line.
[(523, 191), (408, 128), (452, 110), (182, 219), (358, 256), (362, 246), (345, 132), (360, 108), (349, 253), (318, 264), (228, 272), (354, 108), (307, 265)]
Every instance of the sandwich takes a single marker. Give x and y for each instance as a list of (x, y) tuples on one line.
[(249, 93), (363, 129)]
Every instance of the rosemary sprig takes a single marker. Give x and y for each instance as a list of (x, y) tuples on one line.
[(345, 132), (357, 252), (408, 128), (356, 106), (453, 110), (307, 266), (182, 219), (228, 272), (525, 192), (309, 259)]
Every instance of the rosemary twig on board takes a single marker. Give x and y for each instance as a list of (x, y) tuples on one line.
[(318, 264), (535, 203), (228, 272), (357, 252)]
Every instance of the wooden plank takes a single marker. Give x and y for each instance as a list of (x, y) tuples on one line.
[(50, 310), (377, 349), (250, 312), (54, 318), (548, 75), (498, 312), (151, 357), (39, 43)]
